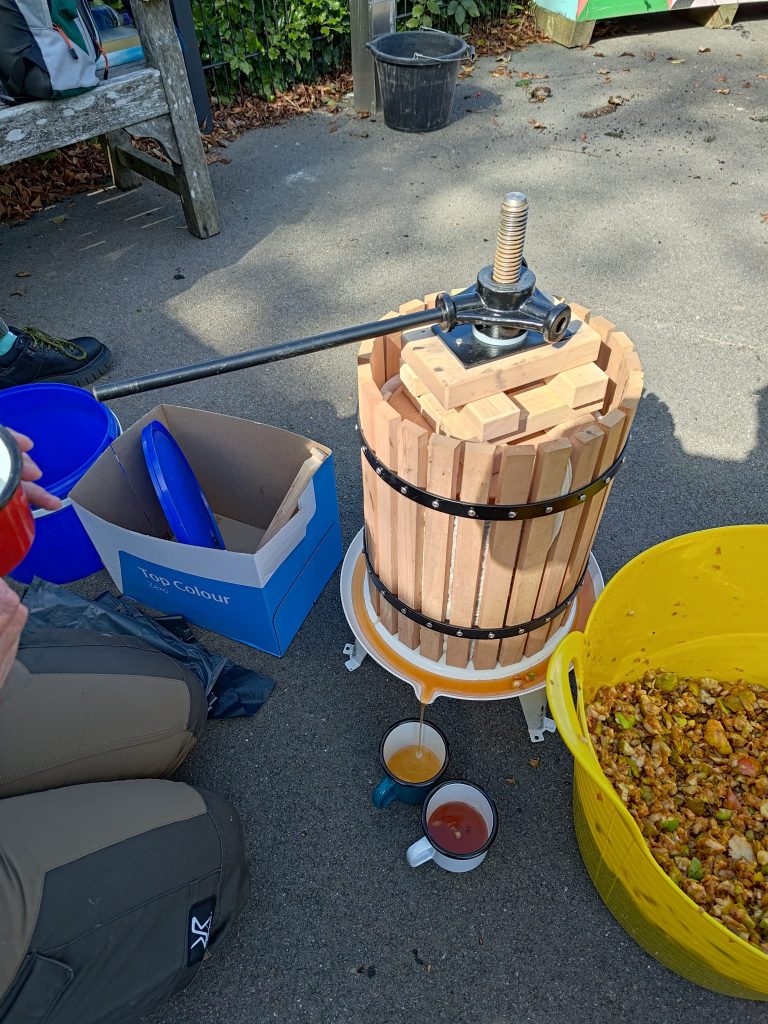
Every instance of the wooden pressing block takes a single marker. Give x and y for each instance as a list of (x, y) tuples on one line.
[(583, 385), (454, 386), (541, 408), (402, 404), (492, 418)]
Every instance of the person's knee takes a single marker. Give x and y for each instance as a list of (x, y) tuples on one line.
[(126, 908), (234, 881)]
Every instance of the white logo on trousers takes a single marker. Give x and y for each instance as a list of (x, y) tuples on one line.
[(202, 931)]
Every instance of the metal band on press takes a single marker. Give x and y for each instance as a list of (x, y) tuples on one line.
[(470, 632), (490, 513)]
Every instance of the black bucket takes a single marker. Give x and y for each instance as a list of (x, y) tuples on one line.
[(417, 74)]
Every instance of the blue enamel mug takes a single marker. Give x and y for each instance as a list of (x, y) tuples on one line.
[(394, 741)]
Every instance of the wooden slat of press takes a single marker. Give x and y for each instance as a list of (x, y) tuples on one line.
[(395, 341), (549, 471), (476, 475), (369, 397), (511, 487), (386, 429), (442, 478), (586, 445), (371, 353), (412, 466), (612, 426), (391, 349)]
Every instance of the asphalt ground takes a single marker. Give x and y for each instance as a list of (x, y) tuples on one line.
[(649, 215)]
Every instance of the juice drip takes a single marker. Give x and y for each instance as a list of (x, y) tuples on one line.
[(420, 743)]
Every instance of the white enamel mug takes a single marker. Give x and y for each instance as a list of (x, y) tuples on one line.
[(428, 849)]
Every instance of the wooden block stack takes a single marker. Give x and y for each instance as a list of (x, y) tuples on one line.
[(526, 427)]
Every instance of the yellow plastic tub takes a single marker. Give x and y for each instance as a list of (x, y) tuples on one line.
[(693, 605)]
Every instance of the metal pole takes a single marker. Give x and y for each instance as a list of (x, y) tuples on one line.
[(185, 23), (261, 356), (368, 19)]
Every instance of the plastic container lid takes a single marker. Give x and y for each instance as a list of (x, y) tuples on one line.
[(186, 508)]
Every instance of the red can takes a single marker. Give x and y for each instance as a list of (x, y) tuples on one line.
[(17, 527)]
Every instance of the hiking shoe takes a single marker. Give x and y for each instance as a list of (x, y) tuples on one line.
[(36, 356)]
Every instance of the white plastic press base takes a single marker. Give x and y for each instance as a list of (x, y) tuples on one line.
[(502, 682)]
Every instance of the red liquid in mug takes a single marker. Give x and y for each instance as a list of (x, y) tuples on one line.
[(457, 827)]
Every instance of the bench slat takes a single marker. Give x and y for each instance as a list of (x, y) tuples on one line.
[(43, 125)]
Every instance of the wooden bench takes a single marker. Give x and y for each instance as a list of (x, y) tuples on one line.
[(151, 102)]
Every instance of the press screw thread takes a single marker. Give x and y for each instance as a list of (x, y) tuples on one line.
[(508, 260)]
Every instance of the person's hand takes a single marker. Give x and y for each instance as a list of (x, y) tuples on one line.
[(30, 472), (13, 615)]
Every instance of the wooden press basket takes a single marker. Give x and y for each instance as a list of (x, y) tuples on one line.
[(525, 428)]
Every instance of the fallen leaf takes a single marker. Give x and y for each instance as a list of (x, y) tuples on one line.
[(705, 49), (539, 75), (23, 273), (481, 940), (723, 92), (429, 968), (534, 762), (512, 781), (333, 128), (607, 108), (615, 101), (60, 219), (746, 85), (500, 73), (540, 93), (721, 78), (363, 114), (676, 60), (603, 71), (522, 83), (17, 291), (583, 136), (599, 54), (758, 117), (627, 53), (762, 78), (650, 55), (359, 135), (466, 72), (536, 124), (764, 217)]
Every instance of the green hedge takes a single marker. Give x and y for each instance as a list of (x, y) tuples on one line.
[(268, 45)]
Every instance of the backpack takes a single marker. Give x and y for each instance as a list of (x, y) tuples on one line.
[(48, 49)]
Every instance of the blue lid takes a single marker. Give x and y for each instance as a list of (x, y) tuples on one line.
[(188, 513)]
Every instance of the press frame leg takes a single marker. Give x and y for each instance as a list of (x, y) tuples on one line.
[(534, 707)]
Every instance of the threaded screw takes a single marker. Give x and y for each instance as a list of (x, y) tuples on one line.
[(508, 260)]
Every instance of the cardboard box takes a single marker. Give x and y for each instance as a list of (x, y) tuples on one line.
[(256, 593)]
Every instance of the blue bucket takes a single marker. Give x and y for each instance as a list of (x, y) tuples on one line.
[(70, 430)]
